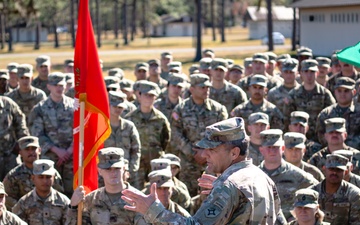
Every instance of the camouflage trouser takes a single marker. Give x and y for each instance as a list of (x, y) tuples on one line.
[(190, 172), (7, 162)]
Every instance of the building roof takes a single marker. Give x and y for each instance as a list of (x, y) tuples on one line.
[(323, 3), (278, 13)]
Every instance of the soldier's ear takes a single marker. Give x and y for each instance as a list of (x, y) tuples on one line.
[(235, 152), (32, 178)]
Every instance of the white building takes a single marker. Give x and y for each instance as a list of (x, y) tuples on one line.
[(327, 25), (24, 33), (174, 27)]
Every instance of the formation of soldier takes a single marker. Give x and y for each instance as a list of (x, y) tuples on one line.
[(295, 128)]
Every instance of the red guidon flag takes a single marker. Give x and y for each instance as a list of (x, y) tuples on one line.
[(90, 88)]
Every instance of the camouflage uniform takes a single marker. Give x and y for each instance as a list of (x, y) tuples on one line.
[(317, 174), (312, 147), (12, 127), (279, 96), (41, 84), (332, 80), (289, 178), (35, 210), (130, 107), (255, 154), (165, 106), (71, 92), (230, 95), (10, 218), (162, 83)]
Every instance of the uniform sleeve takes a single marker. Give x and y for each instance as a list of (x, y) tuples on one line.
[(19, 210), (223, 115), (166, 134), (241, 97), (329, 98), (12, 190), (135, 151), (320, 127), (19, 120), (354, 214)]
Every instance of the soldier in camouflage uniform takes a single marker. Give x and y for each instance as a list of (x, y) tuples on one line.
[(294, 152), (4, 82), (43, 205), (280, 60), (52, 122), (189, 120), (303, 53), (236, 72), (165, 59), (136, 88), (279, 95), (153, 127), (335, 136), (205, 66), (26, 96), (324, 69), (104, 205), (7, 217), (43, 66), (18, 181), (270, 69), (309, 97), (154, 73), (221, 90), (141, 71), (126, 86), (345, 108), (13, 78), (349, 175), (175, 67), (287, 177), (257, 122), (12, 127), (339, 199), (248, 67), (242, 194), (258, 103), (347, 70)]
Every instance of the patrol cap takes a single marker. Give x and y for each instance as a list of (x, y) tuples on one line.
[(334, 60), (160, 164), (304, 51), (272, 56), (12, 67), (126, 85), (174, 160), (336, 161), (4, 74), (208, 52), (149, 88), (69, 62), (42, 60), (299, 117), (69, 77), (25, 70), (309, 64), (111, 157), (177, 79), (142, 66), (346, 153), (28, 141), (201, 80), (117, 72), (323, 61), (294, 140), (224, 131), (281, 58), (205, 63), (43, 167), (236, 67), (290, 64), (248, 62), (306, 198), (2, 189), (154, 62), (162, 178), (219, 63), (194, 68), (117, 98), (139, 83), (258, 79), (345, 82), (56, 78), (258, 117), (271, 137), (166, 55), (111, 82), (335, 124), (175, 66), (260, 57)]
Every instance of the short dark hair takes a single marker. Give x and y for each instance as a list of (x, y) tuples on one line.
[(243, 144)]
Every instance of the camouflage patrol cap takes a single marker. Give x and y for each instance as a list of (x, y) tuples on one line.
[(309, 64), (306, 198), (194, 68), (69, 77), (117, 98), (219, 63), (304, 51), (224, 131), (166, 55), (334, 60), (261, 57), (4, 74), (25, 70), (126, 85), (290, 65), (12, 67), (175, 66), (205, 63), (174, 160), (323, 61), (2, 189), (336, 161), (139, 83), (162, 178), (258, 79), (111, 157), (208, 52), (236, 67), (345, 82), (258, 117), (272, 56), (248, 62), (111, 82), (335, 124), (272, 137), (42, 60), (201, 80), (160, 164), (149, 88), (281, 58), (346, 153), (69, 62), (56, 78), (299, 117), (117, 72), (154, 62), (142, 66), (28, 141), (177, 79), (294, 140), (43, 167)]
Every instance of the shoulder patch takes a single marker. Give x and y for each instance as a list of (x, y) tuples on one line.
[(175, 116)]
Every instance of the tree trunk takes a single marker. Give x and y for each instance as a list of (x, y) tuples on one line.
[(222, 23), (270, 26), (72, 23), (56, 36), (125, 26), (144, 18), (37, 34), (293, 37), (10, 40), (116, 19), (133, 20), (198, 31), (212, 15), (98, 26)]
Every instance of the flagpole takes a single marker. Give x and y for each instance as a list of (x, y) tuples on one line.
[(82, 99)]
